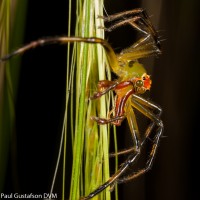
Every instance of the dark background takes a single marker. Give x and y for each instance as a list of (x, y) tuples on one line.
[(175, 74)]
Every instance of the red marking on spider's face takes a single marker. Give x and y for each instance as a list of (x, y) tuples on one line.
[(142, 84), (147, 82)]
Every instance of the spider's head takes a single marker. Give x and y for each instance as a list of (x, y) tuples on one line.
[(134, 71), (142, 84), (138, 74)]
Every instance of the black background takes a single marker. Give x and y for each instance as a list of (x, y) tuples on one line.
[(175, 74)]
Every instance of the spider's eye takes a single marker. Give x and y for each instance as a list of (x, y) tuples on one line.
[(139, 83), (141, 90), (130, 63)]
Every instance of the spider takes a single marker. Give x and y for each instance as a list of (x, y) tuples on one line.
[(132, 82)]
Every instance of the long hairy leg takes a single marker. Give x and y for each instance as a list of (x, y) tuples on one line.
[(114, 178), (138, 18), (156, 121), (111, 56), (150, 107)]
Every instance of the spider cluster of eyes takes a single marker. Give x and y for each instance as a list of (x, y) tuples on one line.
[(142, 84)]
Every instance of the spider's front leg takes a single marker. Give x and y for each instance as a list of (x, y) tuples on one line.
[(104, 87), (119, 113)]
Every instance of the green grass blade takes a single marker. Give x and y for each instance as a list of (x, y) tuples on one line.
[(91, 141), (9, 78)]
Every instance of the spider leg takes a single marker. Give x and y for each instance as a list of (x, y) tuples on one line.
[(120, 102), (130, 21), (131, 159), (128, 15), (37, 43), (112, 58), (60, 40), (149, 162), (136, 102), (114, 177), (122, 152), (133, 149), (133, 124), (138, 15), (106, 85), (143, 106), (112, 120), (148, 104), (140, 104), (130, 115), (110, 18), (144, 47)]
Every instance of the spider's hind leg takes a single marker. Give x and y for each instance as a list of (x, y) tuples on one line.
[(149, 162), (144, 107), (115, 177)]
